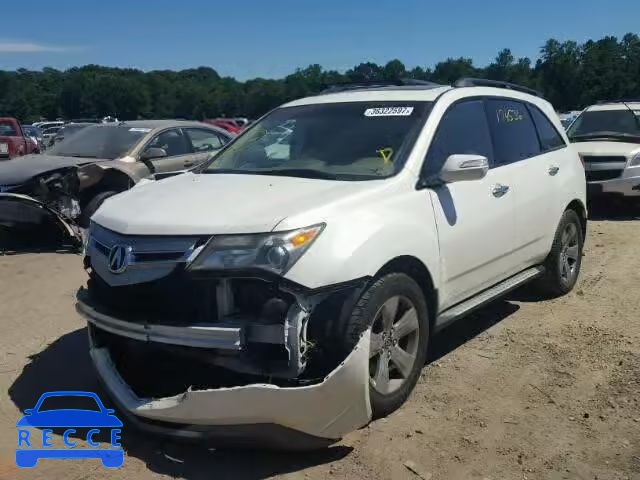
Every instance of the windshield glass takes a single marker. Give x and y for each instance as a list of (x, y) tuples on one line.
[(108, 141), (343, 141), (69, 129), (601, 122)]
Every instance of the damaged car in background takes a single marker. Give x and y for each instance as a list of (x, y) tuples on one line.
[(53, 195), (285, 292)]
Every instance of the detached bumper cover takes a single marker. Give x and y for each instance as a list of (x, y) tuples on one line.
[(325, 411), (18, 210)]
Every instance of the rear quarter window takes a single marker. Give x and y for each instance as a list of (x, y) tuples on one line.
[(550, 139)]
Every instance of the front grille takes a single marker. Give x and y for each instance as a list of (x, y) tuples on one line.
[(149, 258), (173, 300), (601, 175), (603, 159)]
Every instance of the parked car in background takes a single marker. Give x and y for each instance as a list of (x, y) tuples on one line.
[(568, 118), (227, 124), (14, 142), (607, 137), (44, 125), (70, 181), (68, 130), (294, 296), (242, 122), (49, 134), (35, 133)]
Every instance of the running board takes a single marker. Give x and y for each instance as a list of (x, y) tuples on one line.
[(481, 299)]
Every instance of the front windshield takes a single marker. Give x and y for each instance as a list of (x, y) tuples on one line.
[(606, 122), (343, 141), (99, 141)]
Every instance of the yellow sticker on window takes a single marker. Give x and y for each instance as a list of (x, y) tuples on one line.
[(386, 154)]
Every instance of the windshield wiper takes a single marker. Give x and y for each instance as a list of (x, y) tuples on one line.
[(285, 172), (80, 156), (299, 172)]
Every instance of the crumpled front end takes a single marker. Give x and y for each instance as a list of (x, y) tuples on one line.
[(41, 211), (241, 357)]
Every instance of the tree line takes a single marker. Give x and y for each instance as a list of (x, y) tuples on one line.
[(569, 74)]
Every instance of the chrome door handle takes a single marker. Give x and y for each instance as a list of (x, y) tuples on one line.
[(499, 190), (553, 170)]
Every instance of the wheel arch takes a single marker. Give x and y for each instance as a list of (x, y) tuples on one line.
[(110, 179), (578, 207), (418, 271)]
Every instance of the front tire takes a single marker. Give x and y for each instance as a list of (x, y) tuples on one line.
[(395, 308), (92, 206), (562, 266)]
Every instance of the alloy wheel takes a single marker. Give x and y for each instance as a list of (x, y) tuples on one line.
[(395, 337)]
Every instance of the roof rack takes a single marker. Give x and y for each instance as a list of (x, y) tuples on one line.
[(403, 82), (483, 82), (621, 100)]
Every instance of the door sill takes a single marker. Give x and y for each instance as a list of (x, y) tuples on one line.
[(486, 296)]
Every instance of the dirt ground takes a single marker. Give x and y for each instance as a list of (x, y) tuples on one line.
[(524, 389)]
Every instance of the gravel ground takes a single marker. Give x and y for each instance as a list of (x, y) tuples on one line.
[(524, 389)]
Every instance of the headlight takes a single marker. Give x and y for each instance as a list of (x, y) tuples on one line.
[(635, 161), (274, 252)]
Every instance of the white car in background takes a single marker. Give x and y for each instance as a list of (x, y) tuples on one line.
[(290, 298), (607, 137)]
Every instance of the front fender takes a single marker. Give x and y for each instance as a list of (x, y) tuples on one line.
[(93, 173), (360, 245)]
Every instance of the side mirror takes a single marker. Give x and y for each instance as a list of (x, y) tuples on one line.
[(153, 152), (28, 411), (464, 168)]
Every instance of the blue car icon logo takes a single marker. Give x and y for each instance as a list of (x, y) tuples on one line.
[(31, 449)]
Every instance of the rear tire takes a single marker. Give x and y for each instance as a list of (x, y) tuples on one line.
[(92, 206), (562, 266), (396, 310)]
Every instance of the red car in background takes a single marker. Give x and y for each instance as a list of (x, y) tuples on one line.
[(13, 141), (226, 123)]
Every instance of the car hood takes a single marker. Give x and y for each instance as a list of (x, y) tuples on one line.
[(607, 148), (197, 204), (20, 169)]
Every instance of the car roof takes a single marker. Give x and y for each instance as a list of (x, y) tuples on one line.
[(614, 105), (375, 94), (417, 93), (160, 124)]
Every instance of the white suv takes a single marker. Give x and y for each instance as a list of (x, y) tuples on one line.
[(607, 137), (290, 287)]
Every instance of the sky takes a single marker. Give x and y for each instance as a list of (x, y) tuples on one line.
[(271, 38)]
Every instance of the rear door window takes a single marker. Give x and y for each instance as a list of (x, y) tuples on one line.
[(550, 139), (462, 130), (514, 134)]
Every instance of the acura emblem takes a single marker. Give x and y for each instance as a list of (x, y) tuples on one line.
[(118, 258)]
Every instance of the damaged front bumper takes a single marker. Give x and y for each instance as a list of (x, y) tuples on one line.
[(25, 217), (296, 418), (241, 361)]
